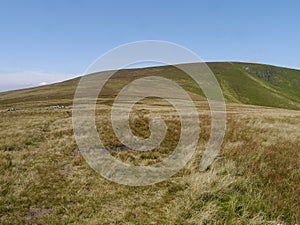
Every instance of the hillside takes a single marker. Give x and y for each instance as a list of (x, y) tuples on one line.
[(44, 178), (246, 83)]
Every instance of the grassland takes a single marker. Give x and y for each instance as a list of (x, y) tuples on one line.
[(240, 82), (255, 179)]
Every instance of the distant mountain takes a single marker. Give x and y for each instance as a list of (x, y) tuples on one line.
[(245, 83)]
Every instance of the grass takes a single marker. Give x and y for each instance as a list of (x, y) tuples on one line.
[(44, 179), (238, 85), (254, 180)]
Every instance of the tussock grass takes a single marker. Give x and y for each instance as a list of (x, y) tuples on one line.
[(255, 179)]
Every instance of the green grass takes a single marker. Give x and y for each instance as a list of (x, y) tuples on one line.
[(238, 85)]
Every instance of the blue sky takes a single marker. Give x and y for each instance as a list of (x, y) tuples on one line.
[(47, 41)]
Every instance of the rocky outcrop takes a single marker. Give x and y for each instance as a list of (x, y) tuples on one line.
[(266, 74)]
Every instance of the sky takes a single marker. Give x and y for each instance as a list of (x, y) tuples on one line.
[(42, 41)]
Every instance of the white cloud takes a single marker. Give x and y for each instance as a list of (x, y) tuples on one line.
[(43, 83), (25, 79)]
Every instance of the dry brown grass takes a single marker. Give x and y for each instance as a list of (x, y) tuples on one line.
[(255, 179)]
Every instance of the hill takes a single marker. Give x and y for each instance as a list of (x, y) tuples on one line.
[(254, 180), (245, 83)]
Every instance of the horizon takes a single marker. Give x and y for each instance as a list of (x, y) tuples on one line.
[(49, 42), (137, 67), (149, 112)]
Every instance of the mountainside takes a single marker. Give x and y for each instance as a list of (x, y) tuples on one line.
[(45, 178), (246, 83)]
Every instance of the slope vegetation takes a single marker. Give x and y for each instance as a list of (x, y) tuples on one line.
[(246, 83)]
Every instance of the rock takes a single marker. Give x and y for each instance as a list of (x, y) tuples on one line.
[(10, 110)]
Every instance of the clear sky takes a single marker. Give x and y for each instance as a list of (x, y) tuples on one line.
[(47, 41)]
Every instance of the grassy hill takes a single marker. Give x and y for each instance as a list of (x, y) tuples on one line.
[(254, 180), (246, 83)]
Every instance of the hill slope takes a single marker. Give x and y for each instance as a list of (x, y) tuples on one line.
[(246, 83), (254, 180)]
